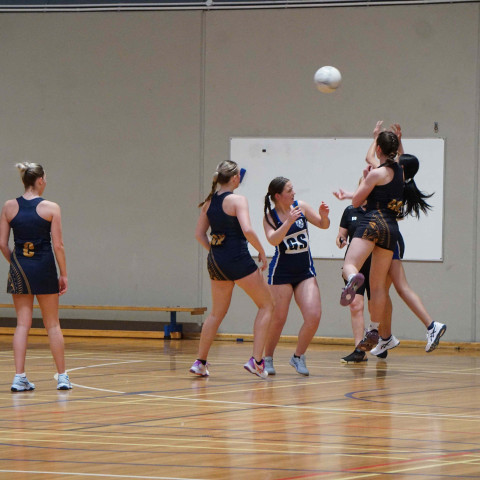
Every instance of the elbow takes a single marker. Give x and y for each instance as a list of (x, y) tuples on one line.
[(357, 202), (58, 246)]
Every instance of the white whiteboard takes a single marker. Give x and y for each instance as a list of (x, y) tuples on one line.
[(319, 166)]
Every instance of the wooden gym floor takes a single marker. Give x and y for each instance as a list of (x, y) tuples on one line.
[(136, 413)]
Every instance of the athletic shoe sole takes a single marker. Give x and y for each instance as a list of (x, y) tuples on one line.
[(368, 342), (348, 292)]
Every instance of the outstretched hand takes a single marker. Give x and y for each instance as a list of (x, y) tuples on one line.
[(397, 130), (378, 129), (324, 210), (343, 195)]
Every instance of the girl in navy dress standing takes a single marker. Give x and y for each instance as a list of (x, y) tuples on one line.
[(291, 270), (37, 226)]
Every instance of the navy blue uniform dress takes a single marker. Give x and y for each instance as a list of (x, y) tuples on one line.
[(384, 204), (32, 264), (229, 258), (292, 262)]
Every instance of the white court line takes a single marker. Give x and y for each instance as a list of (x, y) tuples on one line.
[(103, 475), (104, 365), (268, 405)]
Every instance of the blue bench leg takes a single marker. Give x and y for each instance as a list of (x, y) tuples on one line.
[(173, 326)]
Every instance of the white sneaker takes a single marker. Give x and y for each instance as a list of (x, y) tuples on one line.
[(63, 382), (269, 366), (198, 368), (434, 335), (384, 345), (299, 365), (21, 384)]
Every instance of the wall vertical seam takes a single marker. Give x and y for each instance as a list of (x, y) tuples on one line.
[(201, 175), (475, 283)]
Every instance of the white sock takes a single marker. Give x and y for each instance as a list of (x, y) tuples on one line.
[(21, 375), (374, 325)]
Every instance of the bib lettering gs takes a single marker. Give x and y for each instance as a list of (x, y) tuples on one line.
[(296, 243)]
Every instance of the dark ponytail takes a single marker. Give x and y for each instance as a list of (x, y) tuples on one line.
[(388, 143), (276, 186), (413, 198)]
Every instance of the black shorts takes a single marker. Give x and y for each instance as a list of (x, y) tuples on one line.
[(232, 269), (292, 280), (380, 228)]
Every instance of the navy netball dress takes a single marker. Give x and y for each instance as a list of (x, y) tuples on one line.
[(292, 262), (229, 258), (384, 204), (32, 265)]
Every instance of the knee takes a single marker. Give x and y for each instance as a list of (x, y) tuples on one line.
[(356, 308), (312, 319)]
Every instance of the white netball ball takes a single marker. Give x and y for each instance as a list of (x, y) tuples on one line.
[(327, 79)]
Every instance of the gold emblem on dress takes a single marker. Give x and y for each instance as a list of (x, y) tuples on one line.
[(28, 249), (395, 205), (217, 240)]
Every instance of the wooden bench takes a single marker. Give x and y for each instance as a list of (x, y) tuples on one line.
[(172, 330)]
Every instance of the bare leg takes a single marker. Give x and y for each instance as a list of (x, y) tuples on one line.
[(24, 309), (381, 261), (221, 298), (49, 307), (385, 329), (282, 295), (257, 289), (358, 320), (307, 296), (357, 253), (406, 293)]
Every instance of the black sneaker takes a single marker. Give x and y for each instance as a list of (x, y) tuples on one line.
[(355, 357)]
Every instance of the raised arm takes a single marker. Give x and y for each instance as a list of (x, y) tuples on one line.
[(275, 237), (319, 219), (371, 178), (371, 158), (397, 130)]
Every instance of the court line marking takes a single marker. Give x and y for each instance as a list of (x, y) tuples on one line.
[(103, 475), (196, 399)]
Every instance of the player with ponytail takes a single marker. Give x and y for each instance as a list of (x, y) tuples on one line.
[(229, 263), (37, 227), (377, 234), (291, 270)]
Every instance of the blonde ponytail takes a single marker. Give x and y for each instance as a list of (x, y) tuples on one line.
[(29, 172), (225, 170)]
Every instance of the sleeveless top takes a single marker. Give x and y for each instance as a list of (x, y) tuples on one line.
[(225, 230), (292, 256), (388, 198), (29, 227)]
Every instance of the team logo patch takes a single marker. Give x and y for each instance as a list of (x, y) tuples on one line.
[(299, 223)]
